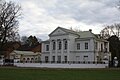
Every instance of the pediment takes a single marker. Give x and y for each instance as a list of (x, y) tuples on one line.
[(57, 31)]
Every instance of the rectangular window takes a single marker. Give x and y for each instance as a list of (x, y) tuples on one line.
[(65, 44), (46, 59), (65, 57), (47, 47), (78, 46), (101, 47), (59, 59), (86, 45), (54, 44), (96, 45), (53, 58), (106, 46), (59, 45), (85, 58)]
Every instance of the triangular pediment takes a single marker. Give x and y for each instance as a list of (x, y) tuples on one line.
[(57, 31)]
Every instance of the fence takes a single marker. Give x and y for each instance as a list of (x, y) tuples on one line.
[(58, 65), (68, 64)]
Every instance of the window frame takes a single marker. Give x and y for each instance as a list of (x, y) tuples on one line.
[(65, 44), (78, 46), (47, 47), (53, 45), (59, 45), (86, 45)]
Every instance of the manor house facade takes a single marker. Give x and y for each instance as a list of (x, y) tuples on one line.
[(66, 45)]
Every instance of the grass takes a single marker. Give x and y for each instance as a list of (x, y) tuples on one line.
[(58, 74)]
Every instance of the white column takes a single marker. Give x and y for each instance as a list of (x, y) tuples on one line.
[(56, 54), (68, 50), (62, 47), (108, 47), (50, 49)]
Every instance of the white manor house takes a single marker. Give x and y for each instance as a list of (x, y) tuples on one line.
[(68, 46)]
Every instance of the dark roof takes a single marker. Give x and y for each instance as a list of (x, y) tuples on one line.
[(28, 47), (9, 47)]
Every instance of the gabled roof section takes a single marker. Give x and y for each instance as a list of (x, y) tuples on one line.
[(86, 34), (89, 34), (81, 34), (67, 31), (46, 41)]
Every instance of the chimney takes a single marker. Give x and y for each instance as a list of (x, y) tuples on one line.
[(90, 30)]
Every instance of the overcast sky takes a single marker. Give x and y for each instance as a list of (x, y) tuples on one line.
[(41, 17)]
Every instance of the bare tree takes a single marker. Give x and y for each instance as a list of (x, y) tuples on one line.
[(75, 29), (110, 30), (9, 14), (24, 39)]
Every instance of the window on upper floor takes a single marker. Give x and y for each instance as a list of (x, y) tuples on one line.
[(54, 45), (65, 44), (86, 45), (59, 45), (47, 47), (96, 45), (106, 46), (78, 46), (101, 47)]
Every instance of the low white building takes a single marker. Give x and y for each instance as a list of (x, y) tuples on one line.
[(25, 56), (67, 46)]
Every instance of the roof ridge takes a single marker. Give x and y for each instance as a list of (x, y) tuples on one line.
[(67, 29)]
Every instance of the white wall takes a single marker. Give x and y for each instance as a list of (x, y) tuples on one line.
[(89, 58), (72, 45), (43, 65)]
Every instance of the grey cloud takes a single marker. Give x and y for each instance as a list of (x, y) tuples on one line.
[(43, 16), (89, 12)]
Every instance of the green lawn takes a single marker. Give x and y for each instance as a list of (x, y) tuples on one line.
[(58, 74)]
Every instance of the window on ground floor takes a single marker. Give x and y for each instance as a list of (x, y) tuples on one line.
[(65, 58), (46, 59), (53, 58), (85, 58), (32, 59), (86, 45), (77, 58), (47, 47), (24, 59), (59, 59)]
